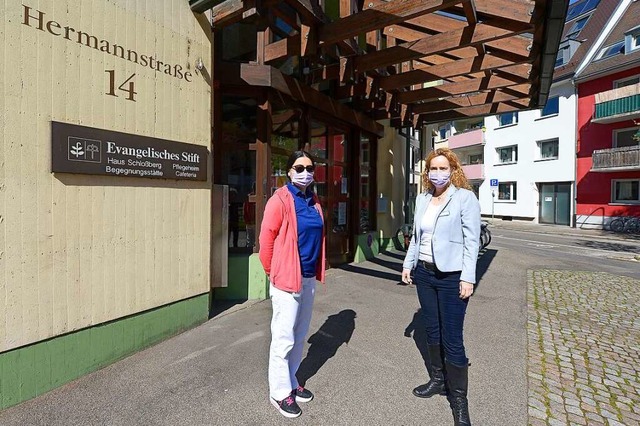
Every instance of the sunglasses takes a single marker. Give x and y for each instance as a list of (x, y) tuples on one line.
[(299, 168)]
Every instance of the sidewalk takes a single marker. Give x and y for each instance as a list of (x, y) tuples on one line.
[(364, 357), (361, 368)]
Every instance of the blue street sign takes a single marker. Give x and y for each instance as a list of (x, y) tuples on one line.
[(493, 182)]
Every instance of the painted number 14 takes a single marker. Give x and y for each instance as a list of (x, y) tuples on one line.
[(130, 90)]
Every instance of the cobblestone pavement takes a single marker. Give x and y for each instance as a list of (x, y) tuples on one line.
[(583, 347)]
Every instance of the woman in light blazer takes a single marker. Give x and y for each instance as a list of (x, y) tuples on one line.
[(442, 256)]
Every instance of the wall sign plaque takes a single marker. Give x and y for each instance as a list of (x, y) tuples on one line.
[(87, 150)]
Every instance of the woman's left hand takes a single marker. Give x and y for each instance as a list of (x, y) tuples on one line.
[(466, 289)]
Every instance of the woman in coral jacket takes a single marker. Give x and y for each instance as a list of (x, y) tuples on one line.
[(292, 247)]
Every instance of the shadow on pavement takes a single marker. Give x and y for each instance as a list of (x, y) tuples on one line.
[(371, 272), (484, 261), (485, 258), (390, 264), (220, 306), (324, 343), (417, 330), (601, 245), (399, 256)]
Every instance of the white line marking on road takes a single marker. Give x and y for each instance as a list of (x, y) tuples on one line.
[(542, 245), (557, 245), (606, 238)]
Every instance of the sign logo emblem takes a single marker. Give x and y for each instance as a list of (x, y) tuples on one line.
[(81, 149), (493, 182)]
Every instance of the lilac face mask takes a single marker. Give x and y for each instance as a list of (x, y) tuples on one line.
[(303, 178), (439, 179)]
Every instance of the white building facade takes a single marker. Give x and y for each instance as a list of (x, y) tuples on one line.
[(531, 158)]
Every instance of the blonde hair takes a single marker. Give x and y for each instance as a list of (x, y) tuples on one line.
[(458, 179)]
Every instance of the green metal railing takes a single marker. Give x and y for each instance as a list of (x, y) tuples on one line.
[(624, 105)]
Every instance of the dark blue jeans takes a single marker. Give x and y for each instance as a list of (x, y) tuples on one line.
[(442, 311)]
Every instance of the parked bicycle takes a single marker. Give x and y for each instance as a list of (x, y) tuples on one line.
[(485, 235), (402, 237), (625, 224)]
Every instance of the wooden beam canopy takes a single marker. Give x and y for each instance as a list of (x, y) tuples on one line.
[(413, 61)]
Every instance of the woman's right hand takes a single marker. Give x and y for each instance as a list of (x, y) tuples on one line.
[(406, 276)]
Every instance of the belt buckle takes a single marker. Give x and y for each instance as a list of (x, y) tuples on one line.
[(428, 266)]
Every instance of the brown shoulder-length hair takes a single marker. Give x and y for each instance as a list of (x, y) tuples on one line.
[(458, 179)]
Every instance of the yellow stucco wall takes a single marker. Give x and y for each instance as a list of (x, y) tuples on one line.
[(78, 250), (391, 179)]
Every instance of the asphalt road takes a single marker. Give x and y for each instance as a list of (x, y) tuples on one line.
[(589, 253)]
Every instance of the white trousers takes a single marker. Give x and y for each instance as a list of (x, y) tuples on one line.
[(289, 327)]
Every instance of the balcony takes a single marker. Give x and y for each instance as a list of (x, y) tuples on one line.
[(466, 138), (616, 159), (474, 171), (617, 105)]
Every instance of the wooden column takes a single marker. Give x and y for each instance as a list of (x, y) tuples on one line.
[(263, 160)]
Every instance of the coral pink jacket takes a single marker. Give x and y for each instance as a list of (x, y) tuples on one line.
[(279, 242)]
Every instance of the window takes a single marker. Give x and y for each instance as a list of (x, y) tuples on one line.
[(626, 191), (444, 133), (626, 82), (475, 159), (508, 154), (552, 107), (548, 149), (577, 26), (561, 55), (625, 137), (611, 50), (508, 118), (578, 8), (476, 125), (632, 39), (507, 191)]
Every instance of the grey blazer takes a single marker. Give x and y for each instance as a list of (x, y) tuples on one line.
[(456, 235)]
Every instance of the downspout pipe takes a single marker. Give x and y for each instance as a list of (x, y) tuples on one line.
[(408, 172), (555, 20)]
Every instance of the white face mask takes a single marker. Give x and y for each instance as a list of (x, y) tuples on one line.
[(303, 178)]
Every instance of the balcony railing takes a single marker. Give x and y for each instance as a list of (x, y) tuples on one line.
[(617, 104), (616, 159), (473, 171), (466, 138)]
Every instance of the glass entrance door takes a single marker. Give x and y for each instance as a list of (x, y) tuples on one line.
[(329, 146), (235, 166), (338, 234), (563, 204), (555, 203)]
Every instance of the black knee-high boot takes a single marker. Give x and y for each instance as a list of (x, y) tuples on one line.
[(458, 381), (436, 385)]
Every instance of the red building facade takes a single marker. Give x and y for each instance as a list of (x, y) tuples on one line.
[(608, 128), (596, 196)]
